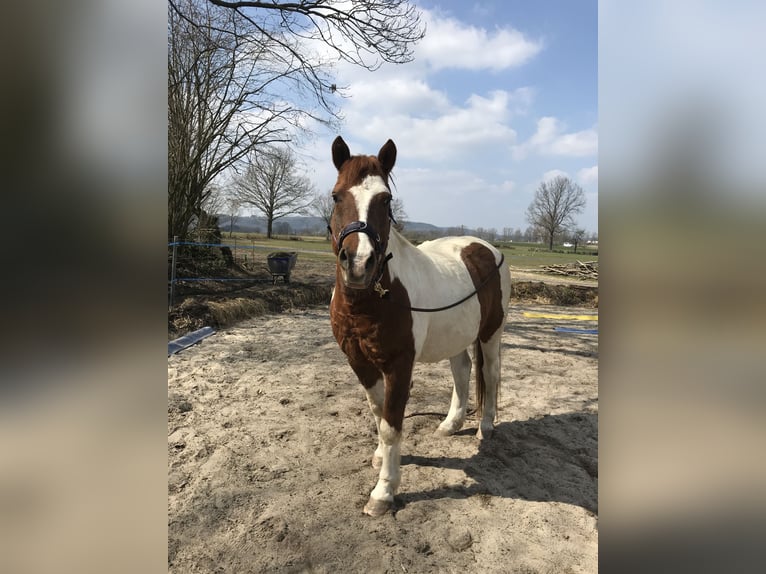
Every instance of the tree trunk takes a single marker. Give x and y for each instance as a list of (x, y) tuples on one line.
[(269, 225), (550, 242)]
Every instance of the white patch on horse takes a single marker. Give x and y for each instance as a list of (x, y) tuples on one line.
[(363, 194), (436, 267), (375, 397), (390, 473)]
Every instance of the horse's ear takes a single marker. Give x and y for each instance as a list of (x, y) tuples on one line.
[(340, 152), (387, 156)]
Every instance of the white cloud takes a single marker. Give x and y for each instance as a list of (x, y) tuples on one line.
[(400, 102), (451, 44), (552, 174), (452, 164), (588, 175), (549, 140), (454, 196), (481, 123), (402, 94)]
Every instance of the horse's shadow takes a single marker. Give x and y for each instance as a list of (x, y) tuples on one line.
[(553, 458)]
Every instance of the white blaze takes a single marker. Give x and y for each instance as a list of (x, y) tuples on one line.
[(363, 194)]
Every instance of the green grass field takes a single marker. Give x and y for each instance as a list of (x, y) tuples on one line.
[(523, 255), (309, 247), (531, 256)]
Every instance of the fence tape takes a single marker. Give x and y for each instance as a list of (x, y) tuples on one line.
[(579, 331)]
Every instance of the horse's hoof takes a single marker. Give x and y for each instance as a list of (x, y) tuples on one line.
[(375, 507), (377, 462), (485, 432), (445, 429)]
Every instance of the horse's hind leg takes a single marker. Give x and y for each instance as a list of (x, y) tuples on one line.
[(491, 374), (461, 373)]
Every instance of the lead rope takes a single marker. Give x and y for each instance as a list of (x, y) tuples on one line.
[(384, 292)]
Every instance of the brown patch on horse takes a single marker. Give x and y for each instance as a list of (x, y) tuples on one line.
[(481, 385), (375, 334), (480, 262), (355, 169)]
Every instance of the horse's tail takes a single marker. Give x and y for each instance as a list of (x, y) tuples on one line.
[(481, 387)]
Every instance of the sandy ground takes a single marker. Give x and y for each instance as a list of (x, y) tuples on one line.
[(270, 442)]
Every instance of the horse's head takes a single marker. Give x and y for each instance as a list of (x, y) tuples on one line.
[(360, 223)]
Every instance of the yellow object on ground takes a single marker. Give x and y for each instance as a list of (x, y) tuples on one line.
[(553, 316)]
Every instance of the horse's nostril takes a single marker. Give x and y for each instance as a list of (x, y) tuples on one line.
[(343, 256), (369, 263)]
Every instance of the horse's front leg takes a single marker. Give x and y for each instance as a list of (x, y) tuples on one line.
[(396, 393), (375, 398), (372, 381)]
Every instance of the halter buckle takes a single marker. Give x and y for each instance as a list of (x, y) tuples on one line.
[(380, 290)]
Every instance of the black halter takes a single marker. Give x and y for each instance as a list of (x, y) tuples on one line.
[(377, 244), (358, 227), (362, 227)]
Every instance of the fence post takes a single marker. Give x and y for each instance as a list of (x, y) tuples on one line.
[(173, 272)]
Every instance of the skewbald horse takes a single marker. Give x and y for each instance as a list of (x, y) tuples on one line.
[(395, 304)]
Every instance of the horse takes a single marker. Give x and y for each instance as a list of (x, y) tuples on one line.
[(395, 304)]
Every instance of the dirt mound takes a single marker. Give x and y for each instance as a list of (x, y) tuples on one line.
[(221, 311)]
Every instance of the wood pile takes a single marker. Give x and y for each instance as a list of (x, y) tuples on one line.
[(580, 270)]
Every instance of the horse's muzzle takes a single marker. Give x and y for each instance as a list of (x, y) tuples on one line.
[(357, 272)]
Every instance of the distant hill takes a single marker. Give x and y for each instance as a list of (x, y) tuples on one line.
[(304, 225)]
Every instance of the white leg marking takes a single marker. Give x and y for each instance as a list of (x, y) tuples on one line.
[(382, 496), (375, 400), (461, 373)]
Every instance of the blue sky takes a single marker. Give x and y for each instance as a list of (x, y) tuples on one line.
[(500, 95)]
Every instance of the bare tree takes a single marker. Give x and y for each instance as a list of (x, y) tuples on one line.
[(322, 206), (272, 185), (577, 237), (232, 207), (554, 204), (363, 32), (215, 199), (397, 211), (219, 105), (246, 74)]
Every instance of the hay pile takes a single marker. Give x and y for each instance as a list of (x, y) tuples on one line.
[(222, 311), (550, 294)]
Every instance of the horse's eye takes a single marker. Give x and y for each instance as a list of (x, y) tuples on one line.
[(335, 198), (387, 199)]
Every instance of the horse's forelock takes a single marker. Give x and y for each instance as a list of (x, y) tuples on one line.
[(356, 169)]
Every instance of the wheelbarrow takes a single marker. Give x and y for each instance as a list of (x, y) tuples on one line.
[(281, 263)]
